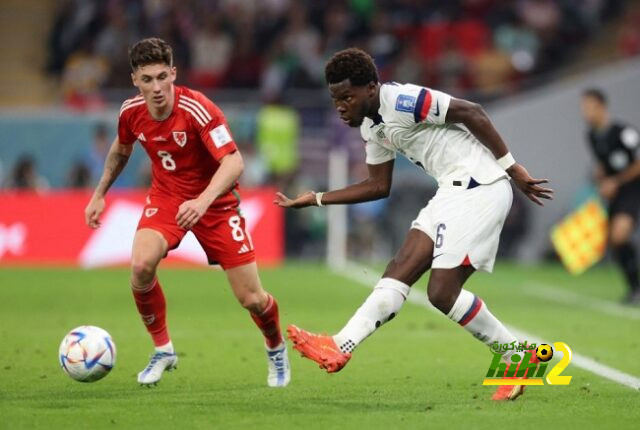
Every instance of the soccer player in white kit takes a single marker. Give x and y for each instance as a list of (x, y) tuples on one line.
[(457, 232)]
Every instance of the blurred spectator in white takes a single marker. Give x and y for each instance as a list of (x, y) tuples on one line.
[(24, 176), (520, 42), (542, 16), (211, 50)]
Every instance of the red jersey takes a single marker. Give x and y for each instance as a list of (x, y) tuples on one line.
[(185, 148)]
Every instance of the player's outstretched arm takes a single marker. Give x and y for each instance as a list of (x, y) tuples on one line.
[(117, 158), (477, 121), (190, 212), (376, 186)]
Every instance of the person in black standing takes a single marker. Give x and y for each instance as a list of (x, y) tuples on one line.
[(616, 147)]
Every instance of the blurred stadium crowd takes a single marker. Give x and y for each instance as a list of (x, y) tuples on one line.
[(478, 48)]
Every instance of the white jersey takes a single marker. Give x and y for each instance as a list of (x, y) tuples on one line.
[(411, 121)]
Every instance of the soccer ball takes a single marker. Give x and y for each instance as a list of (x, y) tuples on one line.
[(544, 352), (87, 353)]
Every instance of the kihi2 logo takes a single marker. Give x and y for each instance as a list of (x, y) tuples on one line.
[(501, 373)]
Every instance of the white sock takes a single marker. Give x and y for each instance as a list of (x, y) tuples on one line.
[(472, 314), (167, 347), (382, 305)]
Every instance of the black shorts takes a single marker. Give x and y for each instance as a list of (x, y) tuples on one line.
[(627, 201)]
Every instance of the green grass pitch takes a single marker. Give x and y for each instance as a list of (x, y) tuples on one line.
[(419, 371)]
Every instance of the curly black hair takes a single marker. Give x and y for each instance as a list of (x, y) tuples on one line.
[(152, 50), (353, 64)]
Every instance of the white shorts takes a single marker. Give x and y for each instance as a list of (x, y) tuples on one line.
[(465, 224)]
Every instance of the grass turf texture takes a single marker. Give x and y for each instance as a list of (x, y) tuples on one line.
[(419, 371)]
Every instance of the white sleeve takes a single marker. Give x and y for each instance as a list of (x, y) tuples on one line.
[(378, 154), (412, 104)]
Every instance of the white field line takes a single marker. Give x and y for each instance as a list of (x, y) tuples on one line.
[(547, 292), (368, 277)]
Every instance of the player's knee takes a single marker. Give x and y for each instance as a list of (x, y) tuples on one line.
[(142, 271), (440, 297), (251, 302)]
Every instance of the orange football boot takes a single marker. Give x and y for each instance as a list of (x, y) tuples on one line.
[(512, 392), (319, 348)]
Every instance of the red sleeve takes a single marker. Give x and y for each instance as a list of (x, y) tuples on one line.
[(212, 127), (125, 135)]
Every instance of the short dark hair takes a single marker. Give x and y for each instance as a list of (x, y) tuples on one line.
[(597, 94), (353, 64), (150, 51)]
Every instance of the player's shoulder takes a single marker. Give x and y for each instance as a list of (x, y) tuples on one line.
[(401, 97), (187, 95), (132, 104), (197, 105)]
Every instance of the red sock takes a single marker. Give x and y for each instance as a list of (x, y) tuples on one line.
[(269, 323), (153, 310)]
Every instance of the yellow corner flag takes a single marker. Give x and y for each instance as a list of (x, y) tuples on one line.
[(580, 239)]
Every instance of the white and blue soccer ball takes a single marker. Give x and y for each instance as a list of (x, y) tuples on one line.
[(87, 353)]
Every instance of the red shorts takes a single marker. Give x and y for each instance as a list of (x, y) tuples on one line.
[(221, 231)]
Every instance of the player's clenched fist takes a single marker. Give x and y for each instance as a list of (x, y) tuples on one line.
[(190, 212), (93, 211)]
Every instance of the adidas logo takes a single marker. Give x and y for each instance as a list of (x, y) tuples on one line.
[(244, 249), (141, 138)]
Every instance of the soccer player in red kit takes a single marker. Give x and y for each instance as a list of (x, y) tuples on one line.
[(195, 167)]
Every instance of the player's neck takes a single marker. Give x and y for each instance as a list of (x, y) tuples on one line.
[(375, 104), (602, 123)]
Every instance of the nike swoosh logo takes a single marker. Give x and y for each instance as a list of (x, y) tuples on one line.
[(436, 256), (437, 113)]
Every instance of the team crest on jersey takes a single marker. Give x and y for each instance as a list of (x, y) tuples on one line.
[(149, 212), (405, 103), (180, 137)]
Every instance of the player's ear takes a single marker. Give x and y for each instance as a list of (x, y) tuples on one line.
[(174, 73), (371, 89), (134, 80)]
